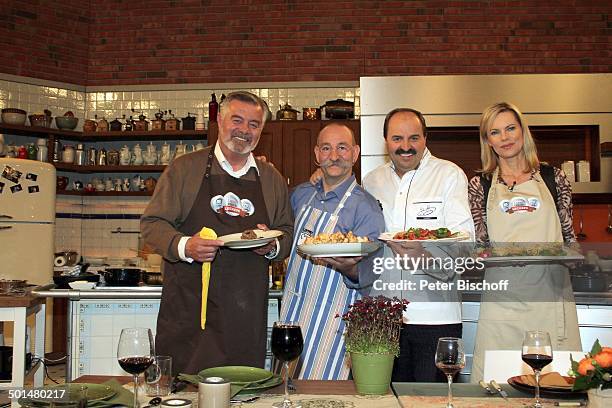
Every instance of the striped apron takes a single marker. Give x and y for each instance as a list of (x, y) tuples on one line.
[(314, 295)]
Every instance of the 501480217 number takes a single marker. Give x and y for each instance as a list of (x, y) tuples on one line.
[(36, 393)]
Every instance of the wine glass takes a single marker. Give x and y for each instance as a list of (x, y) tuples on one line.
[(135, 353), (287, 345), (450, 359), (537, 353)]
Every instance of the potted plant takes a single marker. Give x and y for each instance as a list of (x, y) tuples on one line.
[(594, 374), (372, 338)]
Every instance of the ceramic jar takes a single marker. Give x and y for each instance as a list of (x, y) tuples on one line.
[(125, 156), (180, 150), (68, 154), (137, 159), (113, 158), (165, 154), (150, 155)]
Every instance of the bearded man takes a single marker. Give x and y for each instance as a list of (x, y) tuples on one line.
[(225, 189), (317, 290)]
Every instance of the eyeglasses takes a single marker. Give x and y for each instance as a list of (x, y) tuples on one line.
[(340, 150)]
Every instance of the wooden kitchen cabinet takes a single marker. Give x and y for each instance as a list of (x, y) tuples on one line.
[(289, 145)]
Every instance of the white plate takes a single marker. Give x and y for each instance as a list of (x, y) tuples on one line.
[(459, 236), (339, 250), (263, 237)]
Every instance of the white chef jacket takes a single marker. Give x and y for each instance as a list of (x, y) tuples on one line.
[(434, 195)]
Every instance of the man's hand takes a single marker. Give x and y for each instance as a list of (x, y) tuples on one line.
[(202, 250), (345, 265), (269, 246), (411, 249), (264, 159), (316, 176)]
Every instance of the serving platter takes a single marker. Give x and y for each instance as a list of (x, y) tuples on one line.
[(549, 392), (568, 257), (339, 250)]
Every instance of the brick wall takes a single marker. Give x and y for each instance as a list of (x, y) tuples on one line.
[(47, 39), (189, 41)]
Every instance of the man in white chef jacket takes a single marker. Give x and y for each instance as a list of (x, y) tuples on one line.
[(419, 190)]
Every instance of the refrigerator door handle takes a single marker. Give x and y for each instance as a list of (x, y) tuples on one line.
[(6, 216), (6, 227)]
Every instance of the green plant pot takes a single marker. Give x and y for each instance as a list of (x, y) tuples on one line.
[(372, 372)]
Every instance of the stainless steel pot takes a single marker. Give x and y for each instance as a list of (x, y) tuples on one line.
[(122, 276), (339, 109), (311, 113)]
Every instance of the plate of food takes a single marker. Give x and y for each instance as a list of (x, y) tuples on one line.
[(251, 238), (424, 234), (552, 385), (337, 244), (529, 253)]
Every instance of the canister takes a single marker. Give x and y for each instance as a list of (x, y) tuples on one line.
[(91, 156), (584, 171), (79, 155), (68, 154), (569, 170), (214, 392)]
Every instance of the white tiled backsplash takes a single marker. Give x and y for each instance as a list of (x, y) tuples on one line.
[(114, 103), (85, 223)]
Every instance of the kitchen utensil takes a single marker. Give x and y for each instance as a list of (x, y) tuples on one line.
[(102, 125), (339, 109), (152, 278), (82, 285), (90, 125), (286, 113), (40, 120), (72, 257), (486, 387), (116, 125), (581, 236), (61, 281), (122, 276), (499, 389), (189, 122)]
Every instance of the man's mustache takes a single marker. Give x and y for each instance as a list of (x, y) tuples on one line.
[(340, 163), (402, 151)]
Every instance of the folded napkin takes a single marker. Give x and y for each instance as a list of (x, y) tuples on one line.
[(206, 233), (122, 397), (548, 380), (235, 388)]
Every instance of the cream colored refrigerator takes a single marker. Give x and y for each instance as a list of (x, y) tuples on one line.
[(27, 220)]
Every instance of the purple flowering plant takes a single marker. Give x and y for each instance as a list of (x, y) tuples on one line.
[(373, 325)]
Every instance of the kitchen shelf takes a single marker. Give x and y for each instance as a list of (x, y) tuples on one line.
[(106, 193), (144, 135), (39, 131), (103, 136), (109, 169)]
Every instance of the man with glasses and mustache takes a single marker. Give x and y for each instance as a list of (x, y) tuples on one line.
[(225, 189), (319, 289), (419, 190)]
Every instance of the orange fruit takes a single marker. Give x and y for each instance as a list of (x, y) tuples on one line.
[(604, 359), (585, 365), (606, 349)]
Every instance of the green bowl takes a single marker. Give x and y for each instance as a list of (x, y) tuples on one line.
[(66, 122)]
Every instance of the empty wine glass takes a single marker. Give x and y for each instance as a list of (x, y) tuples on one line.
[(287, 345), (135, 353), (450, 359), (537, 353)]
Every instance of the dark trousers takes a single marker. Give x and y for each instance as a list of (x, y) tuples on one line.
[(416, 362)]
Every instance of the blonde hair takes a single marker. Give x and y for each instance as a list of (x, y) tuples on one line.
[(488, 157)]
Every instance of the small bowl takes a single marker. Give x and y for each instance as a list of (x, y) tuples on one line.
[(82, 285), (66, 122), (12, 116), (40, 120)]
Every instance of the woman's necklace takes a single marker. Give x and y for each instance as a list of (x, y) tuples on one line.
[(511, 180)]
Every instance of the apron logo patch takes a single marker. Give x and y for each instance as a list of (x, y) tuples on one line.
[(232, 205), (519, 205)]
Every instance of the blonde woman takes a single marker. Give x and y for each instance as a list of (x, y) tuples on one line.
[(517, 198)]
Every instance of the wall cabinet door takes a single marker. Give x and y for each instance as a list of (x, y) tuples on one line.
[(289, 145)]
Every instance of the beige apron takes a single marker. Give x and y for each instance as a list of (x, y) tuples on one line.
[(539, 296)]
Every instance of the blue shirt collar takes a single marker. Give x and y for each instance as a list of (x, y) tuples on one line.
[(338, 192)]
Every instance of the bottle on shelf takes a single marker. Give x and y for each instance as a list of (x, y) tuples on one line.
[(213, 108), (43, 152)]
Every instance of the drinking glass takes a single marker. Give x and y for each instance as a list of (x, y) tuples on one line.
[(450, 359), (287, 345), (135, 353), (537, 353)]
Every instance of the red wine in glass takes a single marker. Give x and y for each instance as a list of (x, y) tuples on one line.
[(537, 361), (287, 345), (135, 365)]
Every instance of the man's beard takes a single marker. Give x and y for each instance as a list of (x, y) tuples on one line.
[(241, 146)]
